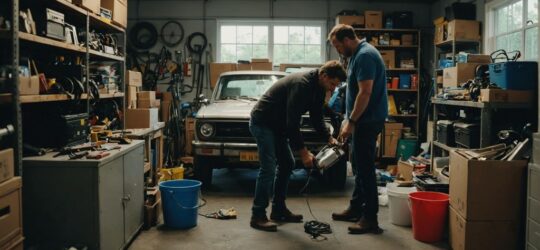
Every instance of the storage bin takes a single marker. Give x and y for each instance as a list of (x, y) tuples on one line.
[(514, 75), (445, 132), (467, 135)]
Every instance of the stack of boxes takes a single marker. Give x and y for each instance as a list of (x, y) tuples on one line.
[(486, 200), (143, 108), (118, 8), (11, 229)]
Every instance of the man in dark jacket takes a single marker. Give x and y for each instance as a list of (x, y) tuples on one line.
[(275, 124)]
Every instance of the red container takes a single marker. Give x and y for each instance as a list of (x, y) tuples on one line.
[(414, 81), (395, 82), (429, 215)]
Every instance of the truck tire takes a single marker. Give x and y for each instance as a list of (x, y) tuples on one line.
[(202, 168)]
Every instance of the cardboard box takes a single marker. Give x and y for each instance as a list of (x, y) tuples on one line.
[(165, 110), (141, 118), (472, 235), (190, 135), (29, 85), (7, 165), (261, 66), (395, 42), (487, 190), (478, 58), (243, 66), (440, 29), (463, 30), (151, 214), (260, 60), (356, 21), (392, 134), (389, 58), (461, 73), (15, 243), (11, 218), (373, 19), (166, 96), (407, 39), (217, 69), (131, 97), (146, 95), (147, 104), (508, 96), (134, 78), (119, 10), (91, 5)]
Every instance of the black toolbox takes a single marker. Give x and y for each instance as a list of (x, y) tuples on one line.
[(445, 132), (467, 135)]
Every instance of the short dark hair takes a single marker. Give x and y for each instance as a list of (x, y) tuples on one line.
[(334, 69), (342, 31)]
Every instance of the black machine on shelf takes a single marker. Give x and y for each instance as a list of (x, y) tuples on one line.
[(55, 130), (54, 27)]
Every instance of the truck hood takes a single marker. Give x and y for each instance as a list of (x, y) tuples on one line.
[(227, 109)]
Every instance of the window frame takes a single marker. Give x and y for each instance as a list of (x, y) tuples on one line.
[(271, 23), (491, 36)]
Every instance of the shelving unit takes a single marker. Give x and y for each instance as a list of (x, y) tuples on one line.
[(403, 95)]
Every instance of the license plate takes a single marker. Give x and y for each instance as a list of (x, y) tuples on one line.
[(249, 156)]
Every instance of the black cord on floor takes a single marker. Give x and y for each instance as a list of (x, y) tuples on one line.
[(314, 228)]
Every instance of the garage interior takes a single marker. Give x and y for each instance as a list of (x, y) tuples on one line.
[(126, 124)]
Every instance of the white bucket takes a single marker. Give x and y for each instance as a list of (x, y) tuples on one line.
[(398, 203)]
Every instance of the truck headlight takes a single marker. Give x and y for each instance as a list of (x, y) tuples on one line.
[(207, 130)]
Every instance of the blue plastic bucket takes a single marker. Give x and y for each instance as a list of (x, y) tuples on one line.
[(180, 202)]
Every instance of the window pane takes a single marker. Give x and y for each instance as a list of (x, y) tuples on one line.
[(313, 35), (281, 34), (260, 34), (515, 42), (228, 34), (532, 11), (296, 53), (245, 34), (244, 51), (296, 35), (531, 44), (228, 53), (502, 20), (516, 16), (260, 51), (281, 54), (313, 54)]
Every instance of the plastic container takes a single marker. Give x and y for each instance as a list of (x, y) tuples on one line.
[(429, 215), (180, 202), (168, 174), (398, 204), (514, 75)]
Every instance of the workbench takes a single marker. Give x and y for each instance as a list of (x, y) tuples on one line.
[(93, 203), (149, 135)]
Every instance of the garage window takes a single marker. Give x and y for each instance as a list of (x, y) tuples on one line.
[(513, 25), (281, 41)]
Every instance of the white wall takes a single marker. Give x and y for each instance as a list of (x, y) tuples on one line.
[(201, 16)]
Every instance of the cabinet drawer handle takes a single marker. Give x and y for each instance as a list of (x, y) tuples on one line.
[(126, 198)]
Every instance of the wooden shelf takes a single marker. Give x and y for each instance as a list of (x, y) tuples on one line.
[(396, 46), (386, 30), (404, 116), (402, 69), (481, 105), (106, 56), (403, 90), (61, 97), (50, 42), (102, 23), (442, 146), (71, 6), (147, 167), (6, 98), (457, 42)]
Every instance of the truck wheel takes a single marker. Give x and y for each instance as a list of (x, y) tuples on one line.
[(202, 168)]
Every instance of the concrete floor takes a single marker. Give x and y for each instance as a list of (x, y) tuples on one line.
[(234, 188)]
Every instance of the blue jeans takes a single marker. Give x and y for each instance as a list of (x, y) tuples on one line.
[(276, 164), (365, 198)]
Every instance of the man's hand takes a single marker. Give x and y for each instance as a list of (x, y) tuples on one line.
[(307, 158), (332, 141), (346, 131)]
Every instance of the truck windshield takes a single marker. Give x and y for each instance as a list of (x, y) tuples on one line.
[(249, 87)]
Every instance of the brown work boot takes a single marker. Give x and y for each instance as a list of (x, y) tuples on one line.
[(349, 215), (262, 223), (364, 226), (285, 215)]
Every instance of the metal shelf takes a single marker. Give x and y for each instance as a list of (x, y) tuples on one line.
[(62, 97), (443, 146), (102, 55), (50, 42), (387, 30), (481, 105)]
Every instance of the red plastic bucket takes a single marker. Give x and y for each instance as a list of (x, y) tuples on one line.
[(429, 214)]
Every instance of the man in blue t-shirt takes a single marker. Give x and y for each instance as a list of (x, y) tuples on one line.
[(366, 111)]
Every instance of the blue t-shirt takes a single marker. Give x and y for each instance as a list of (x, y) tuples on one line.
[(367, 64)]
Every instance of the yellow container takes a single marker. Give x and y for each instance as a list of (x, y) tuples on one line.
[(168, 174)]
